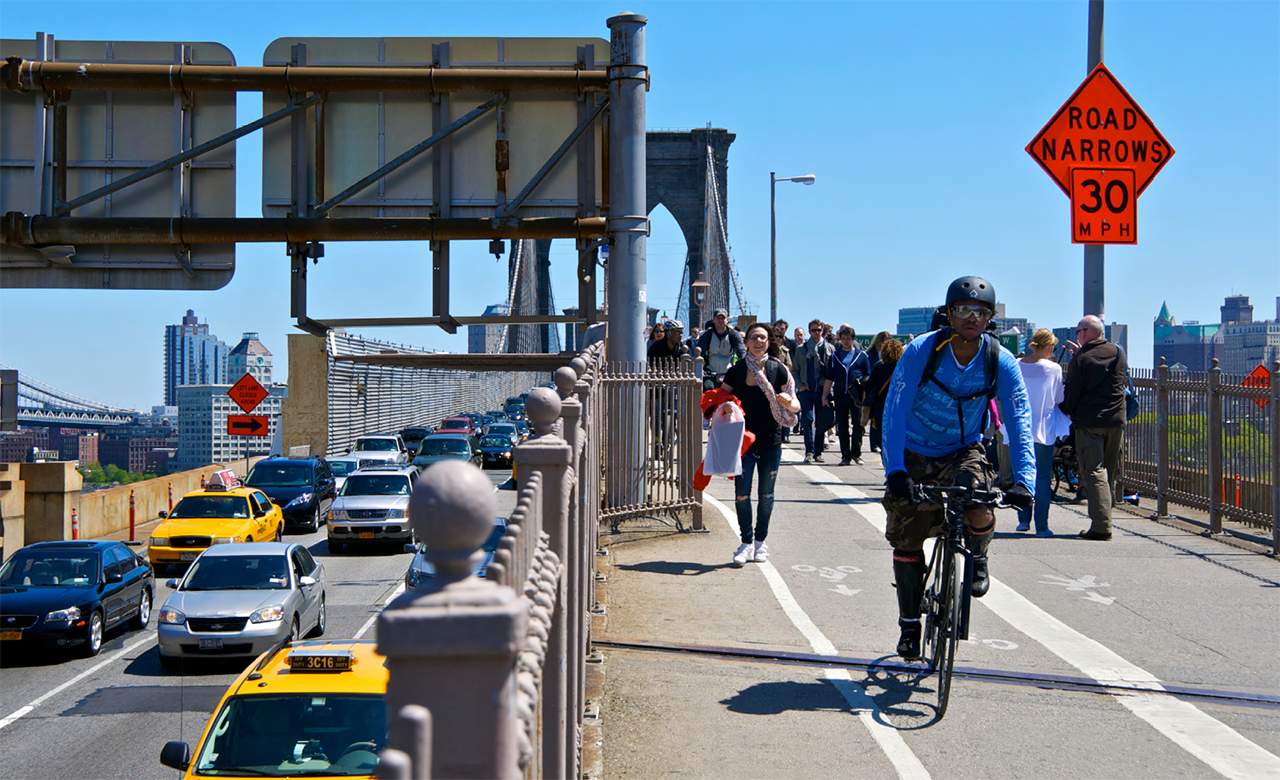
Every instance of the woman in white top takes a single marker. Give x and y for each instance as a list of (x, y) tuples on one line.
[(1043, 377)]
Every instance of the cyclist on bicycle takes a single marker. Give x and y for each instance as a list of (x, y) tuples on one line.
[(935, 415)]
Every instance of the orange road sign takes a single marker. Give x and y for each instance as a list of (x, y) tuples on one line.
[(1100, 126), (248, 393), (248, 425), (1104, 206), (1259, 377)]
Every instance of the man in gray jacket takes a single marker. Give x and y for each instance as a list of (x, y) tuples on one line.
[(1094, 400)]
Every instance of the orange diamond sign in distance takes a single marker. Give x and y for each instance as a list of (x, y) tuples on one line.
[(1100, 126), (247, 393), (1259, 377)]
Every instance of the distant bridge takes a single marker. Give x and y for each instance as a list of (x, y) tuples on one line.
[(41, 404)]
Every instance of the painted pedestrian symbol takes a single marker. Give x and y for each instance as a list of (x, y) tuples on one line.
[(1088, 583)]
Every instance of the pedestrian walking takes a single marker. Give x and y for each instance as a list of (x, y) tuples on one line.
[(1043, 377), (810, 367), (721, 346), (767, 392), (878, 389), (846, 378), (1094, 400)]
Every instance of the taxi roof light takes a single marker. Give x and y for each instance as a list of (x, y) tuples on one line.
[(320, 660)]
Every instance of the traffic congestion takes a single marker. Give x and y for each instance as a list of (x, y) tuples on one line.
[(265, 588)]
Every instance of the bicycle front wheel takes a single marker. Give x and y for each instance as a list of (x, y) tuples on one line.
[(934, 608), (951, 627)]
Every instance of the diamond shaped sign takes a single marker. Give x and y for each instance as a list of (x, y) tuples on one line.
[(1100, 126), (248, 393)]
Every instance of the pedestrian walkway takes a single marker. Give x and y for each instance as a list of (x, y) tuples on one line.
[(688, 687)]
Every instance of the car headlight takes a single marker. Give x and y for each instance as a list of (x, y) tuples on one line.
[(395, 514), (414, 578), (225, 540), (305, 498), (63, 615), (267, 614), (337, 514), (159, 541), (172, 617)]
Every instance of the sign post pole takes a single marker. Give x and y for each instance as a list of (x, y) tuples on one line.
[(1095, 254)]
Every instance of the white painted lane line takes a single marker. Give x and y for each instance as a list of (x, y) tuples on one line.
[(117, 655), (368, 624), (905, 762), (1208, 739)]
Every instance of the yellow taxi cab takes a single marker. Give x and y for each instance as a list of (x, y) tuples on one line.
[(224, 512), (306, 709)]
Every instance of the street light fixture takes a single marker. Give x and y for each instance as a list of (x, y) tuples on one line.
[(700, 288), (773, 239)]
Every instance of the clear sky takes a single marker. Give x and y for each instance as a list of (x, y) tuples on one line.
[(913, 116)]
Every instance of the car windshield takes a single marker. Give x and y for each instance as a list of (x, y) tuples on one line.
[(295, 736), (495, 441), (376, 485), (207, 506), (280, 475), (342, 468), (50, 567), (238, 572), (454, 425), (376, 445), (504, 428), (444, 447)]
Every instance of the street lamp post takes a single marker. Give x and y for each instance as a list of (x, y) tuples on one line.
[(700, 288), (773, 239)]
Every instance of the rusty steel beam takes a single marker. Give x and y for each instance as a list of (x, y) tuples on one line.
[(502, 361), (27, 75), (21, 230)]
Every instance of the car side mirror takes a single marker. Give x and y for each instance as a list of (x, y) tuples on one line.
[(114, 577), (172, 584), (411, 548), (259, 513), (176, 755), (162, 513), (306, 581)]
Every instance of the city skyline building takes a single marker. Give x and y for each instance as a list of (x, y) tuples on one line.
[(251, 357), (192, 356), (487, 339), (1246, 342)]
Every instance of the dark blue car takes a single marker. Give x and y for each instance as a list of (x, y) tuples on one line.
[(304, 488), (70, 594), (496, 449), (421, 569)]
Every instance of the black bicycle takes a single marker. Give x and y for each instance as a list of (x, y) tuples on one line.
[(949, 581)]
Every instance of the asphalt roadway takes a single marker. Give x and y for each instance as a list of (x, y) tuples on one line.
[(109, 716), (1159, 608)]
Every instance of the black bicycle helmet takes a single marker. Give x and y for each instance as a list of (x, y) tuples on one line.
[(971, 289)]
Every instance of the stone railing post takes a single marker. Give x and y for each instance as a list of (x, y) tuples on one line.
[(1275, 457), (451, 645), (1162, 439), (578, 562), (547, 454)]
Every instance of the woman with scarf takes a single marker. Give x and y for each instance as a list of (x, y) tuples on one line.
[(768, 395)]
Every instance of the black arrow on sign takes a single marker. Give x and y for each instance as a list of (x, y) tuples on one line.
[(252, 426)]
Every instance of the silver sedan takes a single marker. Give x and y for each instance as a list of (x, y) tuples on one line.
[(237, 600)]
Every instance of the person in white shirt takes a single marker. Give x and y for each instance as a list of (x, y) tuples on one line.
[(1043, 377)]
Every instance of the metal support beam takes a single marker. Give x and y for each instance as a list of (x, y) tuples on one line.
[(27, 76), (1095, 254)]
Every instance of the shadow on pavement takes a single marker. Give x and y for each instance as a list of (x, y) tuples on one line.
[(774, 698), (675, 567)]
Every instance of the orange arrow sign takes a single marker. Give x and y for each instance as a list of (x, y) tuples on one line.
[(248, 425)]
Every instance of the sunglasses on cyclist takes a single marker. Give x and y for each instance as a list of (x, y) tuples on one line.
[(971, 312)]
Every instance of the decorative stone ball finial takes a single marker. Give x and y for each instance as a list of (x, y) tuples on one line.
[(543, 407), (452, 510), (578, 365), (565, 378)]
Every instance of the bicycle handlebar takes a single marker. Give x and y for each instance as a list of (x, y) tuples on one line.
[(931, 494)]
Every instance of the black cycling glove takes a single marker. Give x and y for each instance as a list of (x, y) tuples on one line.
[(1018, 496), (899, 485)]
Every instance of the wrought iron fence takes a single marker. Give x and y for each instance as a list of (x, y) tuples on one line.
[(1208, 440), (653, 427)]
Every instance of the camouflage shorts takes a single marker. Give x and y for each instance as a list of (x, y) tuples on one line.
[(907, 525)]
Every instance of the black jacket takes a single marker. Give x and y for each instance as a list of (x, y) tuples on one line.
[(1095, 383)]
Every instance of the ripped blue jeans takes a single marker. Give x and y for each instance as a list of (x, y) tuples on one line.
[(767, 461)]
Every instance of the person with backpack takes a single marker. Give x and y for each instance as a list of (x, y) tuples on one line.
[(810, 369), (935, 415), (721, 346), (847, 374)]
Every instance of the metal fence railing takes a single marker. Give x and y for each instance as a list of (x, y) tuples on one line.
[(653, 431), (1208, 440)]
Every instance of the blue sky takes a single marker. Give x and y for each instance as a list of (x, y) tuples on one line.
[(913, 116)]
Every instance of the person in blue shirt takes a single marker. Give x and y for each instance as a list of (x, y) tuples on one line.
[(847, 373), (933, 429)]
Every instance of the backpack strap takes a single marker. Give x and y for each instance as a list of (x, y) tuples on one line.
[(991, 368)]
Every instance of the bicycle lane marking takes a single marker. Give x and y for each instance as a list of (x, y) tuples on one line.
[(1206, 738), (24, 711), (904, 761)]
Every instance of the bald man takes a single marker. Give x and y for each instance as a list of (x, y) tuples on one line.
[(1094, 400)]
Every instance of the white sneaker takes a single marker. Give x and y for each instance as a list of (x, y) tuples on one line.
[(762, 552), (745, 553)]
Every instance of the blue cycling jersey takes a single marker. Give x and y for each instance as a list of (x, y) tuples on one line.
[(926, 420)]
